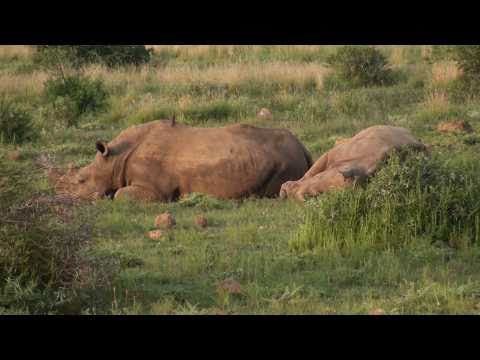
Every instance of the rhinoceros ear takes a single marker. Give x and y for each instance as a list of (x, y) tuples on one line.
[(102, 148), (353, 173)]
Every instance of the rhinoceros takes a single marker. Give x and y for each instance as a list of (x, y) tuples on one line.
[(351, 161), (163, 160)]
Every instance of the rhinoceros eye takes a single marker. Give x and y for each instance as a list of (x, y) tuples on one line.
[(81, 180)]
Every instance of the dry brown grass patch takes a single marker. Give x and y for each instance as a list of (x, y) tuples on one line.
[(232, 74), (8, 52), (22, 83), (437, 101), (443, 72)]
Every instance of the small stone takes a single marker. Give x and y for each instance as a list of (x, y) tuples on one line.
[(165, 221), (201, 221), (376, 312), (15, 155), (264, 113), (230, 286), (155, 234), (454, 127)]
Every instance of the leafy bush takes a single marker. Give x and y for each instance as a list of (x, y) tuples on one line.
[(46, 262), (442, 52), (468, 59), (83, 94), (361, 66), (77, 56), (15, 122), (412, 196)]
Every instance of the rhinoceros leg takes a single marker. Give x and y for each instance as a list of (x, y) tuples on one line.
[(137, 193), (319, 166)]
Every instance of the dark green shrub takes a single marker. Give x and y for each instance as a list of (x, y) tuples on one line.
[(15, 122), (361, 66), (77, 56), (85, 95), (467, 86), (463, 89), (441, 52), (468, 59), (46, 262)]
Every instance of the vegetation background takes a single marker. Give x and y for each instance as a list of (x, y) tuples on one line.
[(408, 244)]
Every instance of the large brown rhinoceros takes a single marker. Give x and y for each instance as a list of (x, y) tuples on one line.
[(163, 160), (352, 160)]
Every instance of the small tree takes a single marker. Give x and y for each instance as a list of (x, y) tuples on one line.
[(77, 56), (16, 124), (468, 59), (361, 66)]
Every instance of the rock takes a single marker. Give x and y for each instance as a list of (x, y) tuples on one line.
[(454, 127), (15, 155), (201, 221), (341, 140), (155, 234), (164, 221), (377, 311), (230, 286), (264, 113)]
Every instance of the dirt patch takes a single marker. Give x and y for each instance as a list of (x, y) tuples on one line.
[(230, 286), (456, 127), (376, 312), (201, 221), (15, 155)]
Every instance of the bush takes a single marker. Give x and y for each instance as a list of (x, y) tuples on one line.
[(468, 59), (77, 56), (15, 122), (361, 66), (467, 86), (442, 53), (46, 262), (411, 197), (79, 93)]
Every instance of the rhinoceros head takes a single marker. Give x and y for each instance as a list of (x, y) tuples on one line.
[(91, 182)]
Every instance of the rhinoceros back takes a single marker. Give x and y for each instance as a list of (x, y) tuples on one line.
[(228, 162)]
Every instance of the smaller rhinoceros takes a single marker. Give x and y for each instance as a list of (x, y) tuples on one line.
[(163, 160), (351, 161)]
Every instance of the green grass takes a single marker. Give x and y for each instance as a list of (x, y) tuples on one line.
[(337, 254)]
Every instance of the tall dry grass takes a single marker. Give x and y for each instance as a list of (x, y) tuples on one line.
[(443, 72), (189, 51), (22, 84), (437, 101), (232, 74), (8, 52)]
